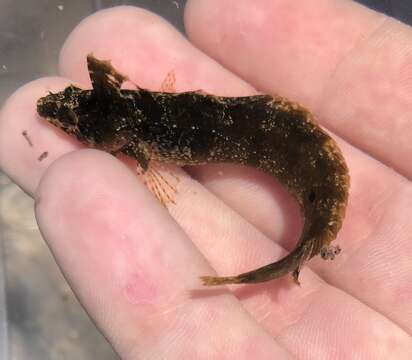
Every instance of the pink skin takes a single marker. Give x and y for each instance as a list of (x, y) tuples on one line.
[(135, 270)]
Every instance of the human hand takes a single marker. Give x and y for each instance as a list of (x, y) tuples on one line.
[(137, 272)]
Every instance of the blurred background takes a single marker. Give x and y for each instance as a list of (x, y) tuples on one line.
[(39, 316)]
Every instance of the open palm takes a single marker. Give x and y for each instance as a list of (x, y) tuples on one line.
[(136, 269)]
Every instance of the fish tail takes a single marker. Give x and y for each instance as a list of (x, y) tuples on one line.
[(289, 264)]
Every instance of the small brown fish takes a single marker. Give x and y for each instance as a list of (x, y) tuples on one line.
[(266, 132)]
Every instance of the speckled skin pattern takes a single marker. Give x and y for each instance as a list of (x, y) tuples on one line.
[(269, 133)]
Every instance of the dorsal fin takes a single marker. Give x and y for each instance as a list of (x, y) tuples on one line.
[(106, 81)]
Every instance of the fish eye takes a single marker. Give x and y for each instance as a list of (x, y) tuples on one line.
[(312, 196), (69, 90)]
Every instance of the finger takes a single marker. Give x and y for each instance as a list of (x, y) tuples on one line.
[(145, 48), (258, 251), (333, 326), (19, 156), (348, 64), (134, 270)]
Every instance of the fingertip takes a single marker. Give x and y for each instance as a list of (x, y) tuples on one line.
[(19, 153), (145, 48), (126, 35), (287, 47)]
